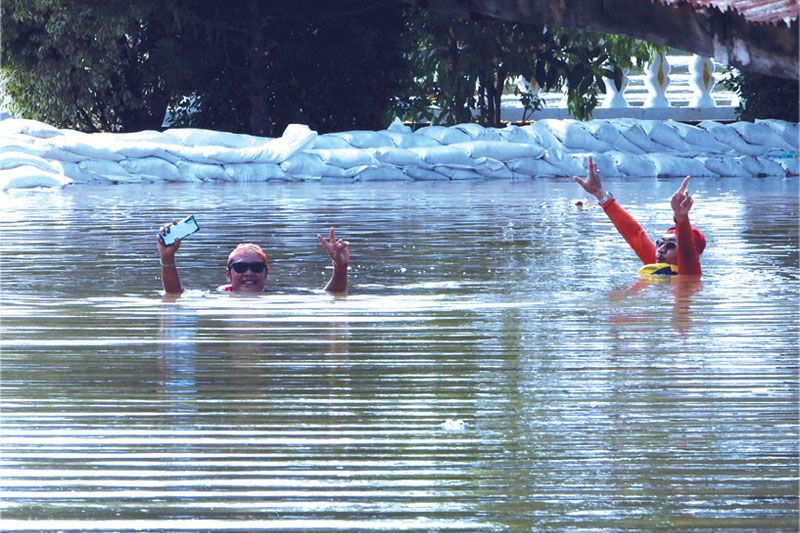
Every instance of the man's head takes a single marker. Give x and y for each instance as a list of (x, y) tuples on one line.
[(667, 246), (247, 268)]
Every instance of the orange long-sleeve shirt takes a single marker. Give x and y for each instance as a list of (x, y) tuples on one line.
[(636, 237)]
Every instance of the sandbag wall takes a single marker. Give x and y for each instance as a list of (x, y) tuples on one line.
[(33, 154)]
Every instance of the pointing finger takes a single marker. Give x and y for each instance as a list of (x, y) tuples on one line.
[(684, 185), (333, 235)]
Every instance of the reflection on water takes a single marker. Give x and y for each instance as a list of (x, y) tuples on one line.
[(497, 364)]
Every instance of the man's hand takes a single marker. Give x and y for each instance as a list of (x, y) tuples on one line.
[(167, 253), (338, 250), (681, 201), (592, 183)]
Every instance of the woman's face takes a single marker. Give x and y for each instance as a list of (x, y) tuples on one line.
[(246, 272)]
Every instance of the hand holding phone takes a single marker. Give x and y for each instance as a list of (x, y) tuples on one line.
[(183, 228)]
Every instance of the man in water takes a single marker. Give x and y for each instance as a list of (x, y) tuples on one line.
[(680, 247), (248, 268)]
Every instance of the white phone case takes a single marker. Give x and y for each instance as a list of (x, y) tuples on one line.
[(182, 229)]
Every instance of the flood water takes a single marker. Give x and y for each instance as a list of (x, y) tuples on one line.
[(497, 364)]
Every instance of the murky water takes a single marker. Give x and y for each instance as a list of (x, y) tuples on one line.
[(497, 364)]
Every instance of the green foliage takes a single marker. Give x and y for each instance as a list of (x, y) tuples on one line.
[(762, 97), (78, 64), (463, 66), (242, 65)]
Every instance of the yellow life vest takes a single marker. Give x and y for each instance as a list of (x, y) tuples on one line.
[(659, 269)]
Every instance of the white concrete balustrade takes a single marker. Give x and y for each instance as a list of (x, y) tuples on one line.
[(682, 88)]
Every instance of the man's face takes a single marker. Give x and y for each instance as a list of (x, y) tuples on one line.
[(247, 272), (667, 249)]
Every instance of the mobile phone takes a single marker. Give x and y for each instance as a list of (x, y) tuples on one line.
[(182, 229)]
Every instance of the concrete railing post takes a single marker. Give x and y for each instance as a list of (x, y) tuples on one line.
[(701, 70), (615, 98), (657, 81)]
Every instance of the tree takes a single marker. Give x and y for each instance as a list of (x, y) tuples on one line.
[(764, 96), (463, 66), (243, 65)]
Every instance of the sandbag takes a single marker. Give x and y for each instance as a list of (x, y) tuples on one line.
[(444, 136), (761, 135), (328, 141), (152, 166), (761, 166), (101, 170), (363, 139), (724, 165), (457, 173), (533, 167), (344, 157), (248, 172), (502, 151), (409, 140), (15, 158), (633, 165), (454, 155), (606, 132), (606, 165), (668, 165), (423, 174), (27, 177), (306, 164), (382, 173), (83, 145), (24, 126), (201, 171), (574, 137), (666, 135), (789, 131), (730, 137), (634, 133), (698, 137), (477, 132), (203, 137), (399, 157)]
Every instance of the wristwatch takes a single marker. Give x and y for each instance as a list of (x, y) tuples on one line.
[(608, 196)]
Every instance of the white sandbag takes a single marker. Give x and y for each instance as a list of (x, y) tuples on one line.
[(423, 174), (398, 126), (399, 157), (409, 140), (761, 166), (85, 146), (27, 177), (664, 134), (363, 139), (633, 165), (502, 151), (203, 137), (305, 164), (533, 167), (724, 165), (445, 136), (606, 132), (247, 172), (201, 171), (15, 158), (544, 137), (668, 165), (345, 157), (789, 131), (730, 137), (606, 165), (566, 165), (136, 137), (152, 166), (516, 134), (633, 132), (477, 132), (132, 150), (573, 135), (99, 169), (72, 171), (454, 155), (328, 141), (24, 126), (382, 173), (698, 137), (488, 169), (455, 173), (789, 164), (760, 135)]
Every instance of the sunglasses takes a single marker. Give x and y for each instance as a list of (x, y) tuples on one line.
[(240, 267), (670, 244)]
